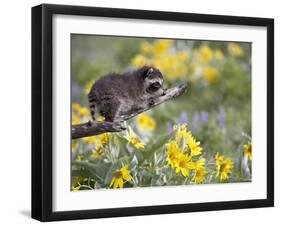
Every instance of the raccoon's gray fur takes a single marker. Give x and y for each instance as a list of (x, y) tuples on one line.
[(114, 95)]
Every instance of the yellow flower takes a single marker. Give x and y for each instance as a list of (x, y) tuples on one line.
[(198, 164), (75, 106), (194, 146), (76, 183), (75, 119), (218, 54), (139, 60), (145, 47), (210, 73), (132, 138), (100, 118), (74, 145), (75, 188), (79, 158), (224, 167), (119, 176), (172, 153), (199, 175), (190, 141), (104, 138), (97, 152), (83, 111), (234, 49), (219, 157), (182, 132), (182, 56), (183, 164), (159, 54), (145, 121), (161, 46), (88, 86), (248, 150), (205, 54), (91, 139), (199, 171)]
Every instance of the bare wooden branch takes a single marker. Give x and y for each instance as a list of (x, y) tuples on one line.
[(93, 128)]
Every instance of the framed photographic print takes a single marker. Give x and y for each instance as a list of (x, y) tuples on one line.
[(146, 112)]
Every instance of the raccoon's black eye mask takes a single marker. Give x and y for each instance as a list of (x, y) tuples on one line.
[(154, 87)]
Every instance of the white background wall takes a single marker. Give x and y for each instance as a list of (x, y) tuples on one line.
[(15, 102)]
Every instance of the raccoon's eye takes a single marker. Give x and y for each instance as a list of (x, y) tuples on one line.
[(155, 86)]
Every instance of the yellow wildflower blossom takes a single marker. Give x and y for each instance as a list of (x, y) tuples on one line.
[(78, 157), (182, 132), (210, 73), (193, 145), (197, 165), (224, 167), (199, 175), (161, 46), (172, 153), (75, 106), (91, 139), (74, 145), (76, 183), (139, 60), (218, 54), (205, 54), (219, 157), (145, 121), (234, 49), (75, 119), (248, 150), (182, 55), (88, 86), (97, 152), (100, 118), (104, 138), (146, 47), (119, 176), (83, 111), (132, 138), (75, 188), (160, 55), (183, 164)]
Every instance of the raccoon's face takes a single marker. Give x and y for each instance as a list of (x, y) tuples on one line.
[(153, 82)]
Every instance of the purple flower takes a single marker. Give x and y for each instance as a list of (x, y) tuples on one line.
[(221, 118), (169, 127), (183, 118), (204, 116), (195, 121)]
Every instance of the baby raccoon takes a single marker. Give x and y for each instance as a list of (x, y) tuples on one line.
[(115, 95)]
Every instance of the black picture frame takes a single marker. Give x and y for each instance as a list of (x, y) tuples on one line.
[(42, 120)]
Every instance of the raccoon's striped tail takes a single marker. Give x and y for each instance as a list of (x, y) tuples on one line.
[(92, 104)]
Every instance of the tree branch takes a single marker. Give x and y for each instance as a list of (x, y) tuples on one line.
[(93, 128)]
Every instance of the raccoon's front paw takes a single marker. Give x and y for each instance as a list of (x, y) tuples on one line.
[(119, 126)]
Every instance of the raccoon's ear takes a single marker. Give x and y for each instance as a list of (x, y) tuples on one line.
[(145, 71), (150, 71)]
